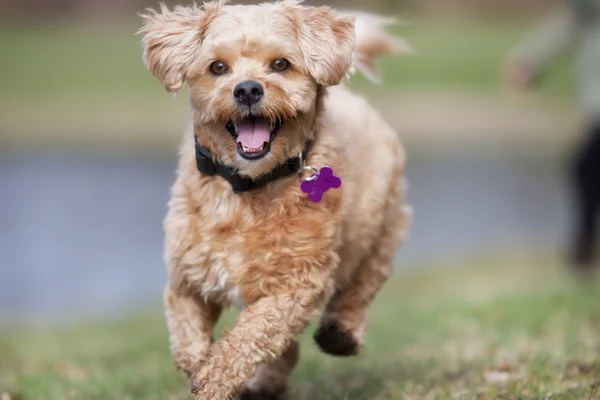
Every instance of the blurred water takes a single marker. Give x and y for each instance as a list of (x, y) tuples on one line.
[(81, 235)]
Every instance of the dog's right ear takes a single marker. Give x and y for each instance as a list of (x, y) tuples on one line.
[(171, 41)]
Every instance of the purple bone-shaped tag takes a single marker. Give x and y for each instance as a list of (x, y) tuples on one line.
[(316, 188)]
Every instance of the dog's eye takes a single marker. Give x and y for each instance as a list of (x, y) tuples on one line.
[(218, 68), (280, 65)]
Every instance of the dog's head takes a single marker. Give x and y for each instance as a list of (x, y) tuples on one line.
[(254, 73)]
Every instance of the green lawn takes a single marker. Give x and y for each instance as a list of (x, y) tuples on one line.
[(102, 64), (77, 84), (492, 330)]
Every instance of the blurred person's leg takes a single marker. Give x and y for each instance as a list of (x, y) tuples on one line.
[(586, 179)]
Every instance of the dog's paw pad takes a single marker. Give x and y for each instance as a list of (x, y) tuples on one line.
[(335, 341), (260, 395)]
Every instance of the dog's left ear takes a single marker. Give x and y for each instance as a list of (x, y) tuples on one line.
[(171, 41), (327, 41)]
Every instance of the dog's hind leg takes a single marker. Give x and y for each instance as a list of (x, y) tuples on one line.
[(343, 324), (191, 321), (270, 382)]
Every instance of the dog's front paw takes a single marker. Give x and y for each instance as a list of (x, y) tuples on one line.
[(200, 384), (209, 381), (335, 340)]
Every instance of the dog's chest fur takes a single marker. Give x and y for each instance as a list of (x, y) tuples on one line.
[(232, 248), (208, 245)]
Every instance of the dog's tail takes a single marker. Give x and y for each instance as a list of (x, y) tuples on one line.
[(373, 40)]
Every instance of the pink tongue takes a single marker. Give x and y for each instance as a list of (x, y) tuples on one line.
[(253, 133)]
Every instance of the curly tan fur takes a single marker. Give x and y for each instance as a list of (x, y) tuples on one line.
[(273, 254)]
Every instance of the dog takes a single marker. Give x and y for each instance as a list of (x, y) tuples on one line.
[(289, 199)]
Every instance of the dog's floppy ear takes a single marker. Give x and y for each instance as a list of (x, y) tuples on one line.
[(171, 41), (327, 41)]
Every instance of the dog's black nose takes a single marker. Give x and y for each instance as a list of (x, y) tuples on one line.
[(248, 92)]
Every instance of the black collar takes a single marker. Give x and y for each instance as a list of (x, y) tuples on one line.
[(208, 166)]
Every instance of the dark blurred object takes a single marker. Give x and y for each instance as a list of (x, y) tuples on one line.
[(586, 179), (575, 23)]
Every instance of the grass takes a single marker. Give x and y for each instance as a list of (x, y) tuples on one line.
[(74, 84), (492, 330), (64, 65)]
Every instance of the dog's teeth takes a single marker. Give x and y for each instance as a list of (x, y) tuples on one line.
[(252, 150), (272, 126)]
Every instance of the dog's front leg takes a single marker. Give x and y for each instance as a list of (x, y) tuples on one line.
[(191, 320), (262, 333)]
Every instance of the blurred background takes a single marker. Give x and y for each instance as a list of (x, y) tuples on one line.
[(88, 147)]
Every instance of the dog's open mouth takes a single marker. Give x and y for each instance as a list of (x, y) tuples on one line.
[(253, 136)]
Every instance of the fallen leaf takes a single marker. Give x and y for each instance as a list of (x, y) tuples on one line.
[(496, 377), (10, 396), (505, 367)]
